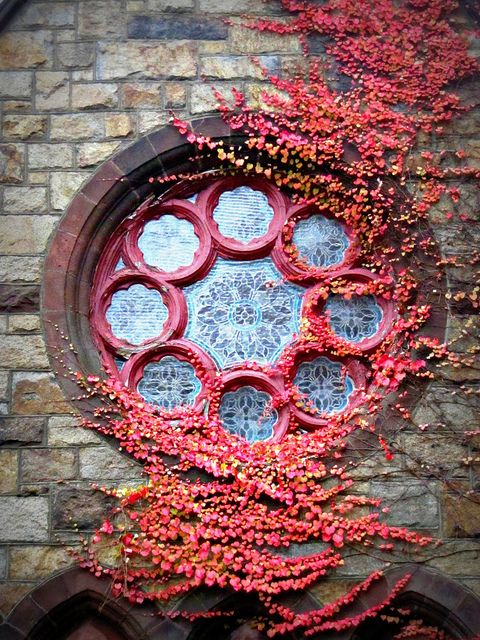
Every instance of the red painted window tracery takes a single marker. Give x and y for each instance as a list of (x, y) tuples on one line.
[(200, 299)]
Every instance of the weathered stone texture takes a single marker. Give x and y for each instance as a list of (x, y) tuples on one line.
[(18, 298), (24, 127), (76, 126), (23, 519), (413, 504), (443, 405), (24, 323), (42, 465), (15, 84), (104, 463), (176, 28), (64, 186), (25, 234), (229, 67), (94, 96), (175, 95), (44, 14), (202, 99), (9, 471), (141, 94), (101, 18), (21, 50), (461, 515), (433, 451), (82, 508), (21, 431), (75, 54), (118, 125), (248, 41), (89, 154), (37, 393), (146, 60), (52, 90), (20, 352), (33, 561), (11, 163), (20, 269), (66, 431), (50, 156), (25, 200)]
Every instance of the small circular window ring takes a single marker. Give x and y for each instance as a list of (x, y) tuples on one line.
[(286, 255), (363, 276), (183, 350), (204, 256), (238, 377), (353, 368), (172, 298), (229, 247)]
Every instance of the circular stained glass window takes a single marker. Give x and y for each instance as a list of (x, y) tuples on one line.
[(224, 305)]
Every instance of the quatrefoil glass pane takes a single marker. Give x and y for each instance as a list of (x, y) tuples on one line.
[(321, 242), (136, 314), (168, 243), (169, 383), (243, 311), (243, 214), (324, 384), (354, 319), (245, 412)]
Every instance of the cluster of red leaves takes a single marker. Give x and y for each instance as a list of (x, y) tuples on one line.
[(235, 522)]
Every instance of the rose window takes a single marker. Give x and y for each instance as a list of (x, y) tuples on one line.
[(201, 292)]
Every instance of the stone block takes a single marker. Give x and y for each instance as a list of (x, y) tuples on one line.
[(143, 59), (443, 405), (412, 503), (67, 431), (89, 154), (76, 126), (101, 18), (175, 95), (236, 7), (26, 50), (52, 90), (50, 156), (25, 200), (23, 519), (25, 234), (176, 28), (11, 163), (82, 508), (9, 474), (141, 94), (15, 84), (456, 558), (21, 352), (16, 298), (94, 96), (24, 127), (202, 99), (38, 177), (37, 393), (44, 14), (21, 431), (20, 269), (151, 120), (4, 386), (63, 186), (73, 55), (434, 451), (24, 323), (107, 464), (463, 333), (170, 5), (244, 40), (229, 67), (118, 125), (16, 105), (3, 562), (82, 75), (34, 561), (461, 515), (47, 465)]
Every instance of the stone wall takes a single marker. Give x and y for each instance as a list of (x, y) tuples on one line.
[(80, 80)]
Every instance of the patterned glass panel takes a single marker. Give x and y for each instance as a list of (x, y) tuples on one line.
[(136, 314), (242, 311), (324, 384), (169, 383), (321, 242), (168, 243), (243, 214), (245, 412), (356, 318)]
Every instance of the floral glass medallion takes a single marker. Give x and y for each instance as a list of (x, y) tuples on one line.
[(243, 214), (168, 243), (169, 383), (243, 311), (324, 384), (245, 412), (354, 319), (321, 242)]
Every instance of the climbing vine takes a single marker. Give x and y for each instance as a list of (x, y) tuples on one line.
[(340, 135)]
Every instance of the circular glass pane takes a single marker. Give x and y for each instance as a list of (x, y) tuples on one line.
[(136, 314), (169, 383), (168, 243), (243, 214), (245, 412), (321, 242), (324, 384), (354, 319)]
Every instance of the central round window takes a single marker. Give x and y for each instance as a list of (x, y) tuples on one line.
[(205, 288)]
